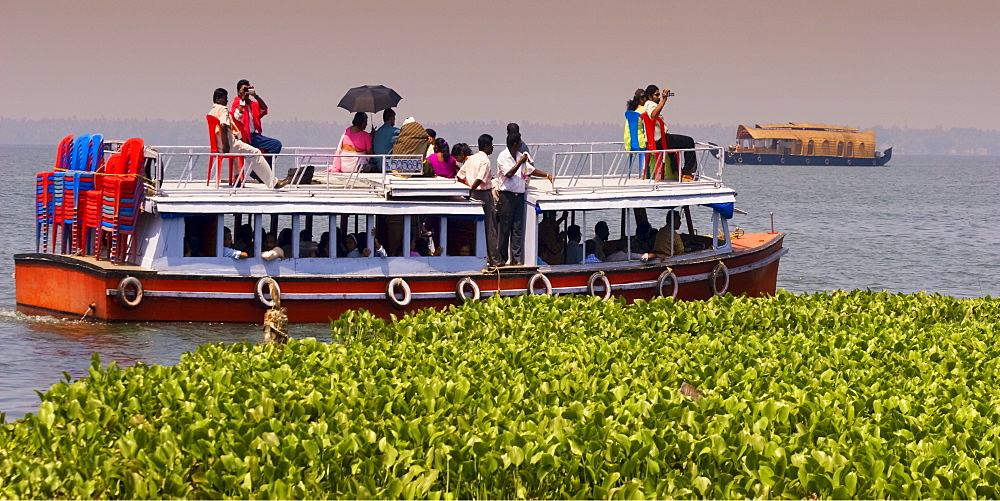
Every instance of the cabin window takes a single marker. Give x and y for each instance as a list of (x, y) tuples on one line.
[(810, 148), (826, 147), (618, 235), (199, 236), (850, 149), (840, 148), (798, 146), (862, 150)]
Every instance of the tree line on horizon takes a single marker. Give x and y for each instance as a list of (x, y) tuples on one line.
[(48, 131)]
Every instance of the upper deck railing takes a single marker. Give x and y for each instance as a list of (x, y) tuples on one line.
[(573, 165)]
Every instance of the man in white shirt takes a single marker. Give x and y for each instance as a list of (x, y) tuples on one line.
[(228, 138), (478, 174), (512, 176)]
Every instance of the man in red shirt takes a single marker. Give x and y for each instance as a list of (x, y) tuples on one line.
[(247, 110)]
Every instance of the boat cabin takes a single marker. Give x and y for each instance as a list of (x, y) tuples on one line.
[(404, 224)]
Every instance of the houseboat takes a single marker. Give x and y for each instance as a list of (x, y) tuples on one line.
[(805, 144), (132, 233)]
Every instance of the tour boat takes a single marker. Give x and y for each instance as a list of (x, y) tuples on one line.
[(132, 233), (805, 144)]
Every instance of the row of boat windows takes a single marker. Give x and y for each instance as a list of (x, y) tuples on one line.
[(624, 233), (795, 147)]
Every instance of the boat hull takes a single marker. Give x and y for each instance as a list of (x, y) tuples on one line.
[(74, 288), (811, 160)]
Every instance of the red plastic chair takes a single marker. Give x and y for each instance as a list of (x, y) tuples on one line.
[(661, 164), (215, 159), (45, 206), (121, 200)]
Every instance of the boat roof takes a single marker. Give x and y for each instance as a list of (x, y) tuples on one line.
[(806, 133), (808, 126)]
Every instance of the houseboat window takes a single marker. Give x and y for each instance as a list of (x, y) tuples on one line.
[(862, 150), (798, 146), (850, 149), (826, 147), (810, 148), (840, 148)]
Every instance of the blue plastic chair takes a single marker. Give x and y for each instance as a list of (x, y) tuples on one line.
[(633, 120)]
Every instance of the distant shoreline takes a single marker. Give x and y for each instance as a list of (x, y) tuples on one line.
[(904, 140)]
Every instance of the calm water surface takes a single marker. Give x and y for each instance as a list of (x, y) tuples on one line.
[(922, 224)]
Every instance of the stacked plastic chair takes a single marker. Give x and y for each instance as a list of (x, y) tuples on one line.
[(89, 211), (122, 192), (70, 184), (45, 196), (77, 184)]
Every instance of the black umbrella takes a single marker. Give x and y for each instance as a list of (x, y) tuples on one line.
[(369, 99)]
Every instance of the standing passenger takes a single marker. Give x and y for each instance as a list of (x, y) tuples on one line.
[(513, 175), (478, 174)]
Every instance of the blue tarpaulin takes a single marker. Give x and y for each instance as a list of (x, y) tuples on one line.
[(725, 209)]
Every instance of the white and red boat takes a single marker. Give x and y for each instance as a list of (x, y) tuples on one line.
[(167, 263)]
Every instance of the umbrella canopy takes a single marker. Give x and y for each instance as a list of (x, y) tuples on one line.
[(369, 99)]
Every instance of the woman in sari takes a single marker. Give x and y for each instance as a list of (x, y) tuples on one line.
[(441, 161), (354, 144)]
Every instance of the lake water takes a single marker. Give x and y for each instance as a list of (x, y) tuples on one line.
[(922, 224)]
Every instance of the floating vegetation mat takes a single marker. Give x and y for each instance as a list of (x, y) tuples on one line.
[(840, 395)]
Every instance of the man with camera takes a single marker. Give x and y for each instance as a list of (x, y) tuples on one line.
[(247, 110), (653, 107)]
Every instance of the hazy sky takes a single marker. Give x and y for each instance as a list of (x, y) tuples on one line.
[(916, 63)]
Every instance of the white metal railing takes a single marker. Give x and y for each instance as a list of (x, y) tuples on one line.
[(195, 159), (603, 163), (619, 167)]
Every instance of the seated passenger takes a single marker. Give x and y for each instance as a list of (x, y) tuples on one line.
[(591, 249), (307, 248), (270, 250), (431, 141), (351, 246), (354, 145), (666, 246), (465, 250), (244, 239), (441, 161), (285, 241), (640, 244), (412, 140), (227, 246), (357, 246), (574, 249), (551, 241), (385, 137), (323, 249), (600, 240), (461, 152)]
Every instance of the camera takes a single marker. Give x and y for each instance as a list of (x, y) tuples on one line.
[(670, 93)]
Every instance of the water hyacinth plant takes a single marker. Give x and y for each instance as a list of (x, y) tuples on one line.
[(840, 395)]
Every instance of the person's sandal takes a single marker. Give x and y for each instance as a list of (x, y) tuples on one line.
[(280, 184)]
